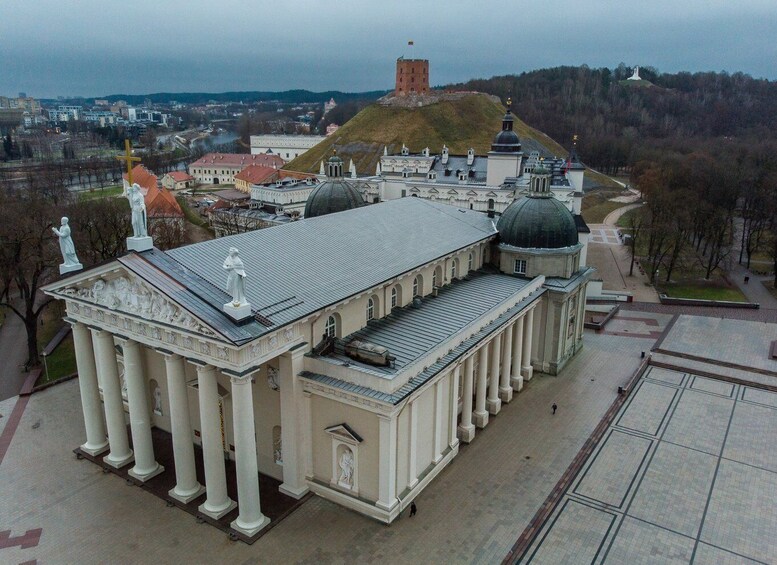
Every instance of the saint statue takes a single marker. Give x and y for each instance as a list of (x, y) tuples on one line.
[(138, 204), (235, 277), (158, 401), (346, 468), (66, 245)]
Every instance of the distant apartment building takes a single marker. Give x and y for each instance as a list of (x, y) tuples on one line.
[(287, 147), (65, 113), (221, 168), (101, 117)]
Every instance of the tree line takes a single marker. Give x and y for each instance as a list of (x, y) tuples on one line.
[(29, 250)]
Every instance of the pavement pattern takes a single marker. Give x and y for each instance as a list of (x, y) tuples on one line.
[(686, 473), (471, 513)]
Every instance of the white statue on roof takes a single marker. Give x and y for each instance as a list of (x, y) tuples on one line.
[(135, 195), (236, 275), (67, 248)]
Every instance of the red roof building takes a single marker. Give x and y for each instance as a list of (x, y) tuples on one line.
[(221, 168), (178, 180), (160, 202)]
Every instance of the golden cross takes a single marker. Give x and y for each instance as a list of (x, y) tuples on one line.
[(128, 158)]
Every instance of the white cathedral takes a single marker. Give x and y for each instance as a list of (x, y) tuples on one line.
[(377, 339)]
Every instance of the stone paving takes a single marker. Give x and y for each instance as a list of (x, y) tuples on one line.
[(687, 473), (473, 512)]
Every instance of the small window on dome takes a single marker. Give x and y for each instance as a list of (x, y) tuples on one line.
[(520, 267)]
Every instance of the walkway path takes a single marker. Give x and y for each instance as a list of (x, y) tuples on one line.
[(13, 345), (754, 290)]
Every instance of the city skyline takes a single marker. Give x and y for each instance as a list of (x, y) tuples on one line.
[(48, 51)]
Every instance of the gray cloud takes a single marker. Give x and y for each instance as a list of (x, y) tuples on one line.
[(91, 48)]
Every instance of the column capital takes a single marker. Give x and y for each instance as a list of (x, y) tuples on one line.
[(242, 379)]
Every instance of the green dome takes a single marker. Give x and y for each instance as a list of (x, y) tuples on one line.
[(332, 195), (538, 222)]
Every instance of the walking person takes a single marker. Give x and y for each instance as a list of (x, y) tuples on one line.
[(413, 509), (555, 407)]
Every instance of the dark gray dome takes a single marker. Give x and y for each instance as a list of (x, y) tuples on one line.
[(332, 195), (506, 141), (537, 221)]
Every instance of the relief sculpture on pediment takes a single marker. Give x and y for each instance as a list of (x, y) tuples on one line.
[(132, 295)]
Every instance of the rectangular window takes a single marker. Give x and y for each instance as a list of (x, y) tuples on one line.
[(520, 267)]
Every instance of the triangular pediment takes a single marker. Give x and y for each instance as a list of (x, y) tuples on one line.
[(414, 189), (344, 432), (453, 193), (491, 194), (433, 191), (113, 288), (472, 193)]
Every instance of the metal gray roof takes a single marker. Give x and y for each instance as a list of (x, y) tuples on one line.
[(301, 267), (458, 162), (442, 364), (411, 332)]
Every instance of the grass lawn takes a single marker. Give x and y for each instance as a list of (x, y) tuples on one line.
[(62, 361), (623, 221), (597, 203), (105, 192), (716, 289)]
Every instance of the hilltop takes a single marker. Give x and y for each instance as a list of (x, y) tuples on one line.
[(460, 122)]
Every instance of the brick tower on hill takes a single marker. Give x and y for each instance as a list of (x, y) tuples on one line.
[(412, 77)]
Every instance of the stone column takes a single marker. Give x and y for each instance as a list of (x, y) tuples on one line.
[(187, 488), (466, 429), (493, 401), (108, 374), (292, 428), (481, 415), (308, 411), (453, 404), (516, 379), (439, 410), (218, 503), (146, 465), (387, 470), (527, 369), (250, 519), (90, 393), (412, 454), (505, 390)]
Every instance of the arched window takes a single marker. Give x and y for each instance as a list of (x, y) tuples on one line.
[(416, 286), (470, 261), (370, 309), (490, 203), (434, 279), (394, 297), (330, 329), (453, 268)]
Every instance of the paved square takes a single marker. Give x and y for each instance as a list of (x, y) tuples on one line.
[(706, 491)]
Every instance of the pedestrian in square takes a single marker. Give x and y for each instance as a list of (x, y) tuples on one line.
[(413, 509), (554, 407)]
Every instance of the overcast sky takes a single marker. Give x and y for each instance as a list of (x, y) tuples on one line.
[(94, 48)]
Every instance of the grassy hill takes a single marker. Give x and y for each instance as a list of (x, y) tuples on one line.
[(471, 121)]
